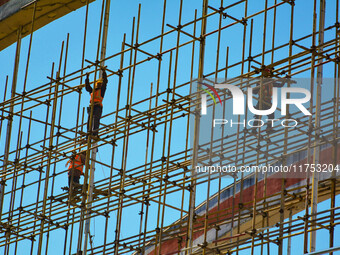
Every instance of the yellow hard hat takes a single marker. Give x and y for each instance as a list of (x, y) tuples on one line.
[(99, 81)]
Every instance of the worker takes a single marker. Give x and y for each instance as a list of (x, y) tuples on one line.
[(97, 96), (266, 90), (75, 168)]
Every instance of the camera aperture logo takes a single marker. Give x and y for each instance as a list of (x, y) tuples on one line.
[(204, 97), (266, 106)]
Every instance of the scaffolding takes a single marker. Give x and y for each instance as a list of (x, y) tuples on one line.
[(149, 199)]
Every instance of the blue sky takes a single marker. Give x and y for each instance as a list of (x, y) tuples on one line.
[(46, 49)]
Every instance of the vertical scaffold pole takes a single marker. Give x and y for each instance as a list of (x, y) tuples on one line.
[(196, 133), (94, 151), (10, 119), (316, 157)]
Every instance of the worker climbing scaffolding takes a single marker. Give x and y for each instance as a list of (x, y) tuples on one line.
[(96, 101), (265, 91), (97, 95), (75, 168)]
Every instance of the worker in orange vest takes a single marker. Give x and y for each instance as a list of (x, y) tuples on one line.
[(267, 91), (97, 96), (75, 168)]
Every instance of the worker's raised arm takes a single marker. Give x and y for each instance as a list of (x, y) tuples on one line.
[(278, 84), (103, 89), (87, 84), (282, 81), (104, 77)]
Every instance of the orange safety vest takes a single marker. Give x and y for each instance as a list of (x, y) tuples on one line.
[(97, 97), (75, 164)]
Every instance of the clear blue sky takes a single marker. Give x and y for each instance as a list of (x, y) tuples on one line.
[(46, 49)]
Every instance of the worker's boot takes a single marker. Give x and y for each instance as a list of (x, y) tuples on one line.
[(95, 138)]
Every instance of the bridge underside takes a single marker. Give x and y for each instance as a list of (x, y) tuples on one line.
[(19, 13)]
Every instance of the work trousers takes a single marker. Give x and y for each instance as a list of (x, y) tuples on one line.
[(97, 114), (266, 105), (73, 176)]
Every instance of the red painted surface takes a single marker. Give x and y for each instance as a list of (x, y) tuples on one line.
[(273, 187), (3, 2)]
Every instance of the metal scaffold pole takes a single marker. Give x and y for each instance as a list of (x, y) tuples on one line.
[(153, 137), (317, 127), (10, 120), (94, 151), (196, 134)]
